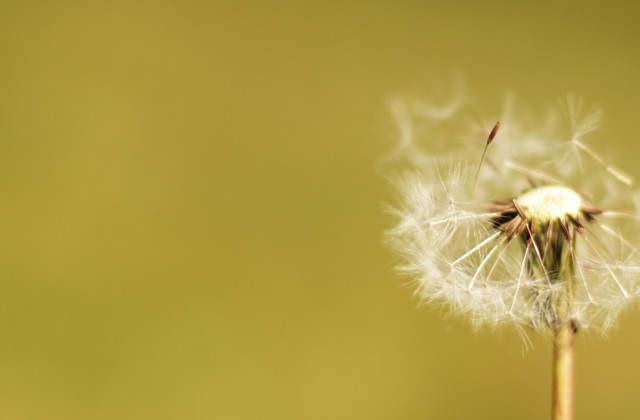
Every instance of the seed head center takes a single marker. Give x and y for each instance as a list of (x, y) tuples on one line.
[(550, 202)]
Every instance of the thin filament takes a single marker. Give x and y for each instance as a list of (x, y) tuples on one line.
[(621, 238), (515, 295), (584, 282), (484, 261), (475, 248), (613, 171), (498, 259), (456, 218), (624, 292)]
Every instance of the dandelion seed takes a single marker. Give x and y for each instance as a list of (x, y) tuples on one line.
[(492, 135)]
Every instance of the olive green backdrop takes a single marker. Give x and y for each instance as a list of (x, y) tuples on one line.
[(191, 207)]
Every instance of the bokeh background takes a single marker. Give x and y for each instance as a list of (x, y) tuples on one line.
[(192, 205)]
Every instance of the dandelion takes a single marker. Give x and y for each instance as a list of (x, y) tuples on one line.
[(543, 241)]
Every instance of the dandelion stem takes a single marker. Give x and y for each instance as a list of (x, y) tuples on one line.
[(563, 378), (562, 408)]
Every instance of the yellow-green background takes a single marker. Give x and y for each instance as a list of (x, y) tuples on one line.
[(191, 207)]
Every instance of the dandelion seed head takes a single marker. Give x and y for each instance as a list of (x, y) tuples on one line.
[(548, 221)]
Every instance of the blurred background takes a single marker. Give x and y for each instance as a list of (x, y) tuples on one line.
[(192, 204)]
